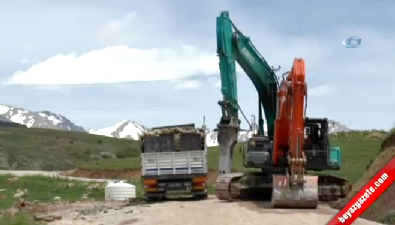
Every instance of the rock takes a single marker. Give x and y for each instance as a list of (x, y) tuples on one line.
[(11, 180), (39, 216), (2, 190), (57, 199), (85, 212), (69, 185), (19, 193), (108, 155), (95, 157), (57, 216), (131, 211), (49, 219), (105, 211)]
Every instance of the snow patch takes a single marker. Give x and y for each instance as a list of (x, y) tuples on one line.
[(30, 123), (19, 117), (54, 120), (4, 109), (131, 129)]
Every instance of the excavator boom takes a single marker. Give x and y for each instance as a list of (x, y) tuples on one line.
[(295, 189), (233, 46)]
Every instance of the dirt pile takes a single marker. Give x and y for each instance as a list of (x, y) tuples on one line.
[(389, 141), (383, 210)]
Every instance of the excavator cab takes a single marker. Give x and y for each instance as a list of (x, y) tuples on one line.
[(320, 155), (257, 152)]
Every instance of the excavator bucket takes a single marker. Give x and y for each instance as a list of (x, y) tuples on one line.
[(285, 195)]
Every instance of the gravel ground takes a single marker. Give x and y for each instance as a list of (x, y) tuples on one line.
[(208, 212)]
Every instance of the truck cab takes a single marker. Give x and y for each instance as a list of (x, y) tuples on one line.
[(174, 162)]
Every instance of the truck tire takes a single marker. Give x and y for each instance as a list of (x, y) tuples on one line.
[(152, 199), (201, 197)]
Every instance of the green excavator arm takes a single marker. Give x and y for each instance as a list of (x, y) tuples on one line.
[(232, 47)]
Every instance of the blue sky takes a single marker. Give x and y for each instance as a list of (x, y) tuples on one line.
[(48, 45)]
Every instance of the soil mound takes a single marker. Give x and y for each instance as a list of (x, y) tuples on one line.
[(383, 210)]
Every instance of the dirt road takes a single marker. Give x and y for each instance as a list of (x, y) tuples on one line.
[(208, 212), (20, 173)]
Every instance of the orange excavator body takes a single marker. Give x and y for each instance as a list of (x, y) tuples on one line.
[(295, 188)]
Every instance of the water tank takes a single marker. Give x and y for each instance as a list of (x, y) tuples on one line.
[(119, 191)]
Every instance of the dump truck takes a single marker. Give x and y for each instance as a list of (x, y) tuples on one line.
[(174, 162)]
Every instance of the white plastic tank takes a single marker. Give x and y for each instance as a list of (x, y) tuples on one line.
[(119, 191)]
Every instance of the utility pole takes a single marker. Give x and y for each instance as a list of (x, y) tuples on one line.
[(253, 127), (204, 122)]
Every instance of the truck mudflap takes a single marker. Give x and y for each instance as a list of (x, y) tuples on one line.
[(285, 195)]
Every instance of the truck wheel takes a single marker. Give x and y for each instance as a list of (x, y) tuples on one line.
[(201, 197), (152, 199)]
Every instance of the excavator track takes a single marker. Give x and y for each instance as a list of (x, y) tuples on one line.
[(330, 189), (223, 186)]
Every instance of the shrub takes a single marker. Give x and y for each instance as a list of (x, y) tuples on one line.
[(129, 152)]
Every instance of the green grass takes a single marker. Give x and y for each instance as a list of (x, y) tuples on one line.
[(44, 189), (44, 149), (19, 219), (357, 152), (113, 164)]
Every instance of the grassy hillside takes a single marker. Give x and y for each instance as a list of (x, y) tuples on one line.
[(358, 150), (29, 149), (43, 149)]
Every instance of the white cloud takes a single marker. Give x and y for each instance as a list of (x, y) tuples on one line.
[(190, 84), (322, 90), (119, 64)]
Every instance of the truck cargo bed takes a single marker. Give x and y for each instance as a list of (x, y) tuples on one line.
[(173, 163)]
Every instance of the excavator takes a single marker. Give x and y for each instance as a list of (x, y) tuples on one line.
[(287, 161)]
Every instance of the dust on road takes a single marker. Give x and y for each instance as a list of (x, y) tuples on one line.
[(208, 212)]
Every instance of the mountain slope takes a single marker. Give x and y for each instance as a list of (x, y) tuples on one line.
[(124, 129), (31, 119), (132, 130)]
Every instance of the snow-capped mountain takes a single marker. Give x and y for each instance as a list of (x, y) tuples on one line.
[(124, 129), (43, 119), (211, 138), (334, 127)]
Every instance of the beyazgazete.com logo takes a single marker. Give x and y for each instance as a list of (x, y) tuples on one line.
[(352, 42)]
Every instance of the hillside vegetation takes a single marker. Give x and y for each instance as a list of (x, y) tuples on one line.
[(45, 149), (42, 149)]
